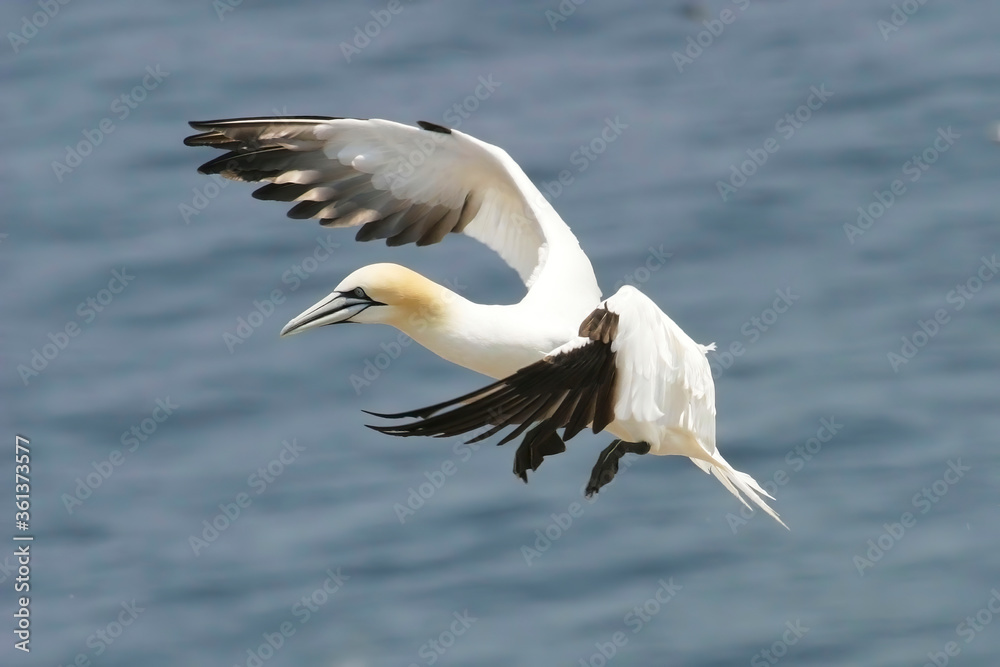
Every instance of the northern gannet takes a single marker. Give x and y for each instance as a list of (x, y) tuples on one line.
[(563, 357)]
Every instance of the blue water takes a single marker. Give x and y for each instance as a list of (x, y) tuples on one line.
[(450, 584)]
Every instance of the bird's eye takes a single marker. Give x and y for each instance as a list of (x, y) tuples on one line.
[(359, 293)]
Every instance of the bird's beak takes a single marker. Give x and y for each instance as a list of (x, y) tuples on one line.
[(334, 309)]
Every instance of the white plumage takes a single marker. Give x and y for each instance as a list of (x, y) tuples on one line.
[(567, 359)]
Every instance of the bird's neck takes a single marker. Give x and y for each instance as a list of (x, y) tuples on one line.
[(489, 339)]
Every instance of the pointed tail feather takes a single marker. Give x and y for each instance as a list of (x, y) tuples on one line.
[(683, 442), (733, 479)]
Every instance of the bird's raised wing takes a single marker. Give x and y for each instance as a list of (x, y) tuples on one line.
[(404, 184)]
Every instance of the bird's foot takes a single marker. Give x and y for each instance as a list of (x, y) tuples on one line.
[(539, 442), (607, 463)]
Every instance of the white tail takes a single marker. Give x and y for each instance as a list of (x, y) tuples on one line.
[(733, 479)]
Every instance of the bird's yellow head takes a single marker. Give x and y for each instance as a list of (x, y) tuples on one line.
[(376, 294)]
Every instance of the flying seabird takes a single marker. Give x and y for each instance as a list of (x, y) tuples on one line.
[(562, 356)]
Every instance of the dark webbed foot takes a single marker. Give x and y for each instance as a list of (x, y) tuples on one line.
[(607, 463), (539, 442)]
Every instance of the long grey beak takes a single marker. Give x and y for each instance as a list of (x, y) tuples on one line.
[(333, 309)]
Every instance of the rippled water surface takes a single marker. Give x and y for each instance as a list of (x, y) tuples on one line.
[(884, 466)]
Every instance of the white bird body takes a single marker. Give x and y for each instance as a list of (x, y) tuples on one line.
[(560, 354)]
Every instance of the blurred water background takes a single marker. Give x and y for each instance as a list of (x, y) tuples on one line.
[(884, 466)]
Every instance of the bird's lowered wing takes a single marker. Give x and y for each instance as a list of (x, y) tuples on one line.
[(571, 388), (403, 184), (631, 362)]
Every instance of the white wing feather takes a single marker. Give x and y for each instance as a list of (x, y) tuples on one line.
[(663, 375), (665, 388)]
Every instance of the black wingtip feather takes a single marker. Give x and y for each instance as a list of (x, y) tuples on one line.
[(434, 127), (223, 122), (197, 139), (420, 413), (282, 191), (212, 135), (220, 164), (391, 430), (306, 209)]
